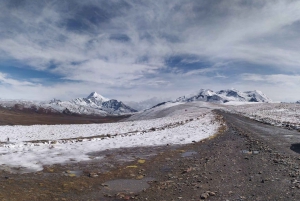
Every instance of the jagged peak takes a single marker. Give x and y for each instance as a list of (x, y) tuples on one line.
[(54, 100), (97, 96)]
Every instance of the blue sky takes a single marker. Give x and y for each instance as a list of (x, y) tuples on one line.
[(139, 49)]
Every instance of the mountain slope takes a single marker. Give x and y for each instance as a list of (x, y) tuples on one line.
[(248, 96)]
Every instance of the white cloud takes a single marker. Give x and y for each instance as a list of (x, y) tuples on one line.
[(68, 33), (279, 87), (4, 79), (288, 80)]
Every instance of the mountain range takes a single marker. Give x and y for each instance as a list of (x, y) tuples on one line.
[(95, 104), (224, 96)]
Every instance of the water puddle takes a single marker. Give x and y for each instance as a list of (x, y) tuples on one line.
[(246, 152), (295, 147), (249, 152), (73, 173), (166, 169), (188, 154), (126, 185)]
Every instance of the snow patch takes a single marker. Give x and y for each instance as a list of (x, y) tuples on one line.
[(31, 147)]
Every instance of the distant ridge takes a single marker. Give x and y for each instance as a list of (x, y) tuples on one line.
[(224, 96), (94, 104)]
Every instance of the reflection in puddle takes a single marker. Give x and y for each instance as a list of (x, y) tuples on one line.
[(246, 152), (249, 152), (73, 173)]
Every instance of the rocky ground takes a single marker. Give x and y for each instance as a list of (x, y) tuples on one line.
[(246, 160)]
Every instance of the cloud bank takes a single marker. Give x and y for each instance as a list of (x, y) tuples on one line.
[(140, 49)]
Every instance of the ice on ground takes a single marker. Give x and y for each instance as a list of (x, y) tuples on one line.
[(32, 147)]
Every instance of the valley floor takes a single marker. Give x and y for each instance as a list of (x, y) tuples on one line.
[(246, 160), (17, 117)]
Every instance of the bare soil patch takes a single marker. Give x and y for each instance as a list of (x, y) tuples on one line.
[(28, 117)]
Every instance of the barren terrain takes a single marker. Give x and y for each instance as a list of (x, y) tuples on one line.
[(246, 160), (17, 117)]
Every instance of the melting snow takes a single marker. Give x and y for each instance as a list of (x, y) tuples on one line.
[(32, 147)]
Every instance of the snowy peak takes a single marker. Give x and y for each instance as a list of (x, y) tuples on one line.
[(207, 92), (54, 101), (231, 93), (206, 95), (97, 97), (257, 96)]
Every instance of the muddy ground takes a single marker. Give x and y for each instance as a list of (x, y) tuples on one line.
[(246, 160), (30, 117)]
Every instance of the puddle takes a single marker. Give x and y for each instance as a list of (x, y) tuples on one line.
[(73, 173), (188, 154), (166, 169), (295, 147), (249, 152), (126, 185), (16, 170), (246, 152)]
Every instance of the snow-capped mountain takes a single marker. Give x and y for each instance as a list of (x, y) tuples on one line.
[(94, 104), (247, 96), (224, 96), (112, 106), (298, 102)]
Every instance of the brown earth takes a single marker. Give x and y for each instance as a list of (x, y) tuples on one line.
[(248, 161), (15, 116)]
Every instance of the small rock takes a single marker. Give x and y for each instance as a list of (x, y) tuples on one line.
[(211, 193), (204, 195), (141, 161), (140, 177), (93, 174)]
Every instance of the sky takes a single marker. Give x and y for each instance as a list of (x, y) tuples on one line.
[(140, 49)]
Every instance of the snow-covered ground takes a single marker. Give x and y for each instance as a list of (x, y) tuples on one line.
[(31, 147), (278, 114)]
